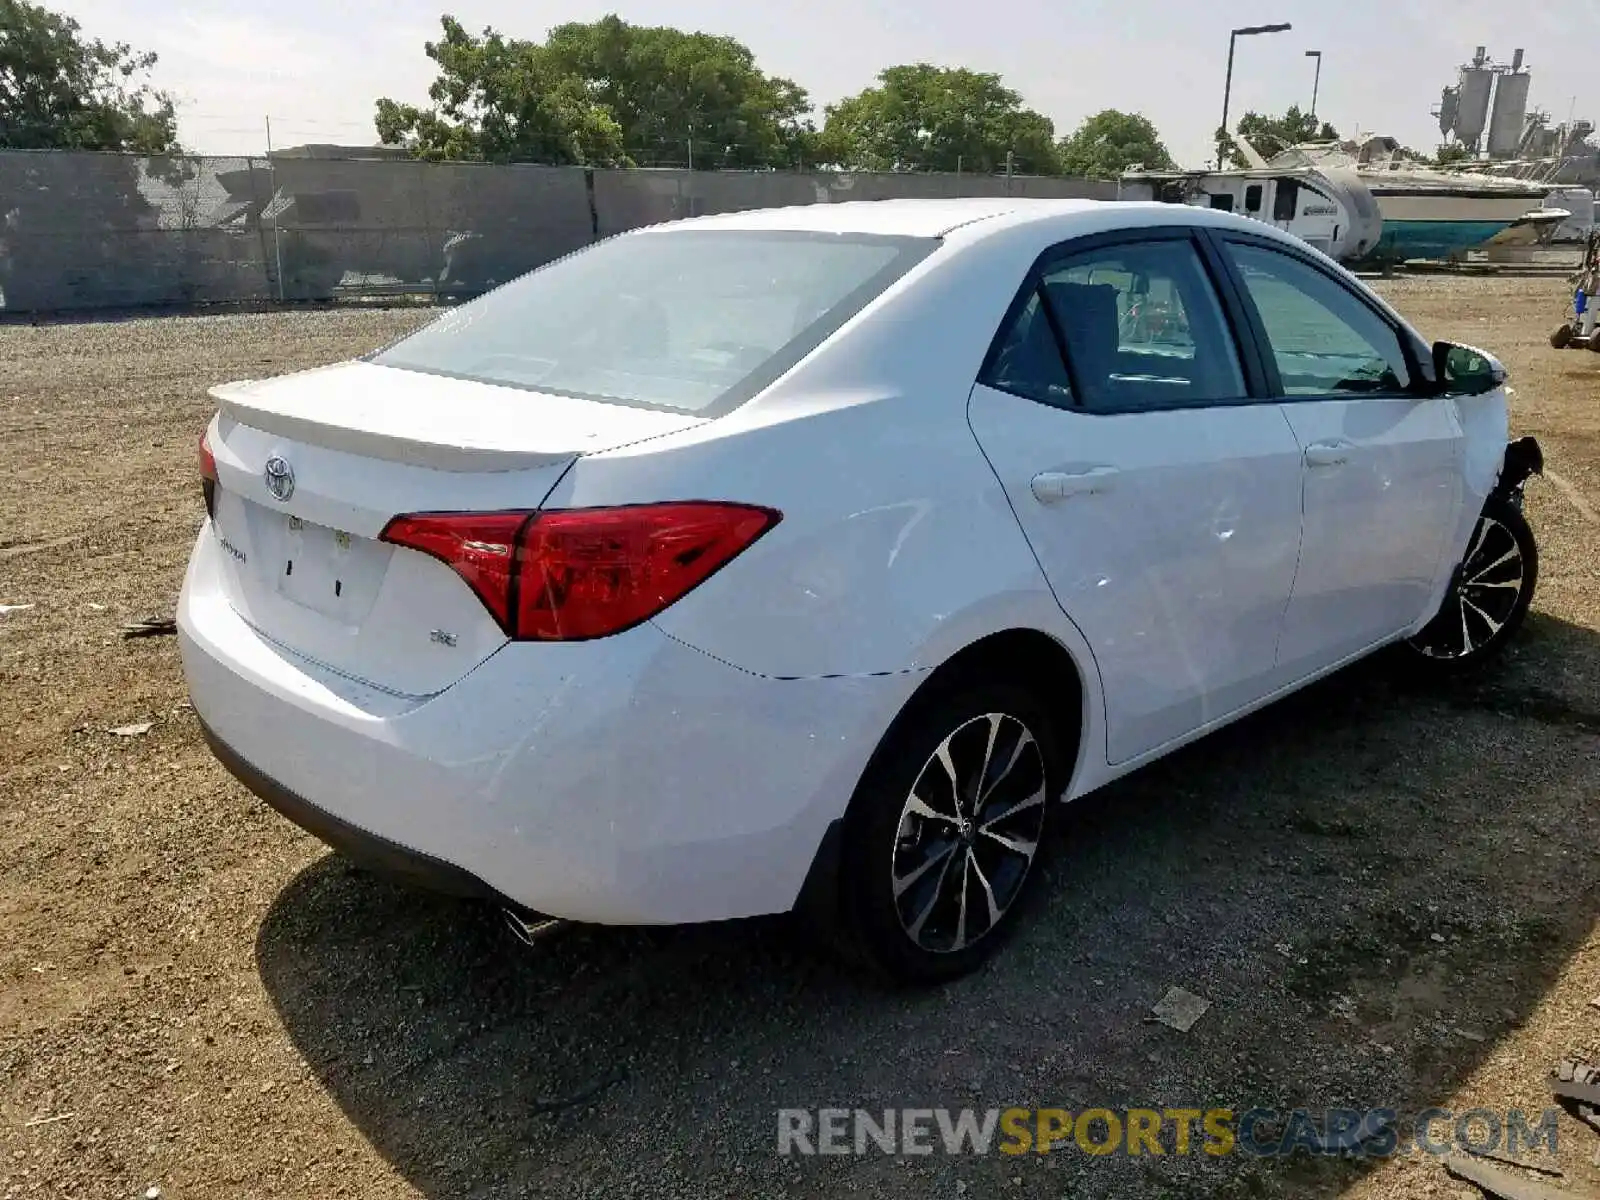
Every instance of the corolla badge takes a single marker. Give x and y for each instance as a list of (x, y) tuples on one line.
[(280, 478)]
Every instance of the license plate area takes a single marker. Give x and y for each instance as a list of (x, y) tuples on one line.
[(326, 570)]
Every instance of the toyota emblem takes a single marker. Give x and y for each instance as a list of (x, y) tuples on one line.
[(280, 478)]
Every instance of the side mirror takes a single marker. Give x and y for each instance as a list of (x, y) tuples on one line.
[(1466, 370)]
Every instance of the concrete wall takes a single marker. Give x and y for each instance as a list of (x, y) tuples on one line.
[(86, 231)]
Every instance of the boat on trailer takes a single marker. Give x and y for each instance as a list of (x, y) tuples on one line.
[(1365, 212), (1328, 209)]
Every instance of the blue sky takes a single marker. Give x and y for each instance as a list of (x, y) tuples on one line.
[(315, 67)]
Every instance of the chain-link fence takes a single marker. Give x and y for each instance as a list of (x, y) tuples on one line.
[(94, 231)]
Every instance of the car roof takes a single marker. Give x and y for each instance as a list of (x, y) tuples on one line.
[(974, 216), (903, 217)]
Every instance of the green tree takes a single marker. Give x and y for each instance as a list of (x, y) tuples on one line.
[(1273, 135), (501, 100), (1110, 142), (61, 91), (926, 118), (1453, 155), (604, 93), (675, 94)]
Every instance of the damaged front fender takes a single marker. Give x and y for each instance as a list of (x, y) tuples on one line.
[(1523, 458)]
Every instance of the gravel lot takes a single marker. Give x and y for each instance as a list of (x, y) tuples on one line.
[(1389, 895)]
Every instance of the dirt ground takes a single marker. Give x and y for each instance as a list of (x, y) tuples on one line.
[(1388, 894)]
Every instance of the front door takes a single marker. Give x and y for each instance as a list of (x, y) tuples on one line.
[(1163, 505), (1381, 464)]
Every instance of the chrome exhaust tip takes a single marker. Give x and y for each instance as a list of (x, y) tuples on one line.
[(535, 927)]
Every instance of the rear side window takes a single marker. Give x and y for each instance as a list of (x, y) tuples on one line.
[(692, 320), (1324, 339), (1028, 361)]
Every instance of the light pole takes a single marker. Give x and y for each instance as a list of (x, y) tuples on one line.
[(1227, 88), (1316, 83)]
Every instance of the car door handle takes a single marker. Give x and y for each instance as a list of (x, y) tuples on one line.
[(1049, 486), (1327, 454)]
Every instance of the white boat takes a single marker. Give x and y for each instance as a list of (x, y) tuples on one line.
[(1328, 209), (1359, 210)]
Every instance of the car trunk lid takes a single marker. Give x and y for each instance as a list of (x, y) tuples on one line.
[(310, 469)]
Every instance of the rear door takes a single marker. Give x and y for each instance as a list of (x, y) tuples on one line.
[(1161, 497), (1382, 463)]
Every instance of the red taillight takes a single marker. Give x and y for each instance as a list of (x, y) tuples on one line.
[(573, 574), (208, 474), (587, 573), (208, 461), (479, 547)]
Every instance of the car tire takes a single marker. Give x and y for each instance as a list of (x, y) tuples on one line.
[(919, 816), (1488, 597), (1562, 337)]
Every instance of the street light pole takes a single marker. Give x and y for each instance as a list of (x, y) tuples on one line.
[(1227, 93), (1227, 88), (1316, 83)]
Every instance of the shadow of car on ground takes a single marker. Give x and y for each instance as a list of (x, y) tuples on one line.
[(1371, 882)]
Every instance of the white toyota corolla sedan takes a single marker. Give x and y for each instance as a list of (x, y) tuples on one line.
[(800, 559)]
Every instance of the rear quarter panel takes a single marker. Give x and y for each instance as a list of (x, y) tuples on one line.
[(896, 551), (897, 545)]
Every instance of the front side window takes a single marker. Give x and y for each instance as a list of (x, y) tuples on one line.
[(1324, 339), (1143, 326), (689, 320)]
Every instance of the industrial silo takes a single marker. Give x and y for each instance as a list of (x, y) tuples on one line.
[(1472, 108), (1510, 111), (1449, 105)]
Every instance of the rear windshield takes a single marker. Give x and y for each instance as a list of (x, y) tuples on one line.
[(692, 320)]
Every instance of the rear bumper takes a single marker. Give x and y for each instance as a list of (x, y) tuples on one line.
[(630, 780), (377, 854)]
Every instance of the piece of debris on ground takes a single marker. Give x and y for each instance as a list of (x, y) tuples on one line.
[(151, 627), (1179, 1009)]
